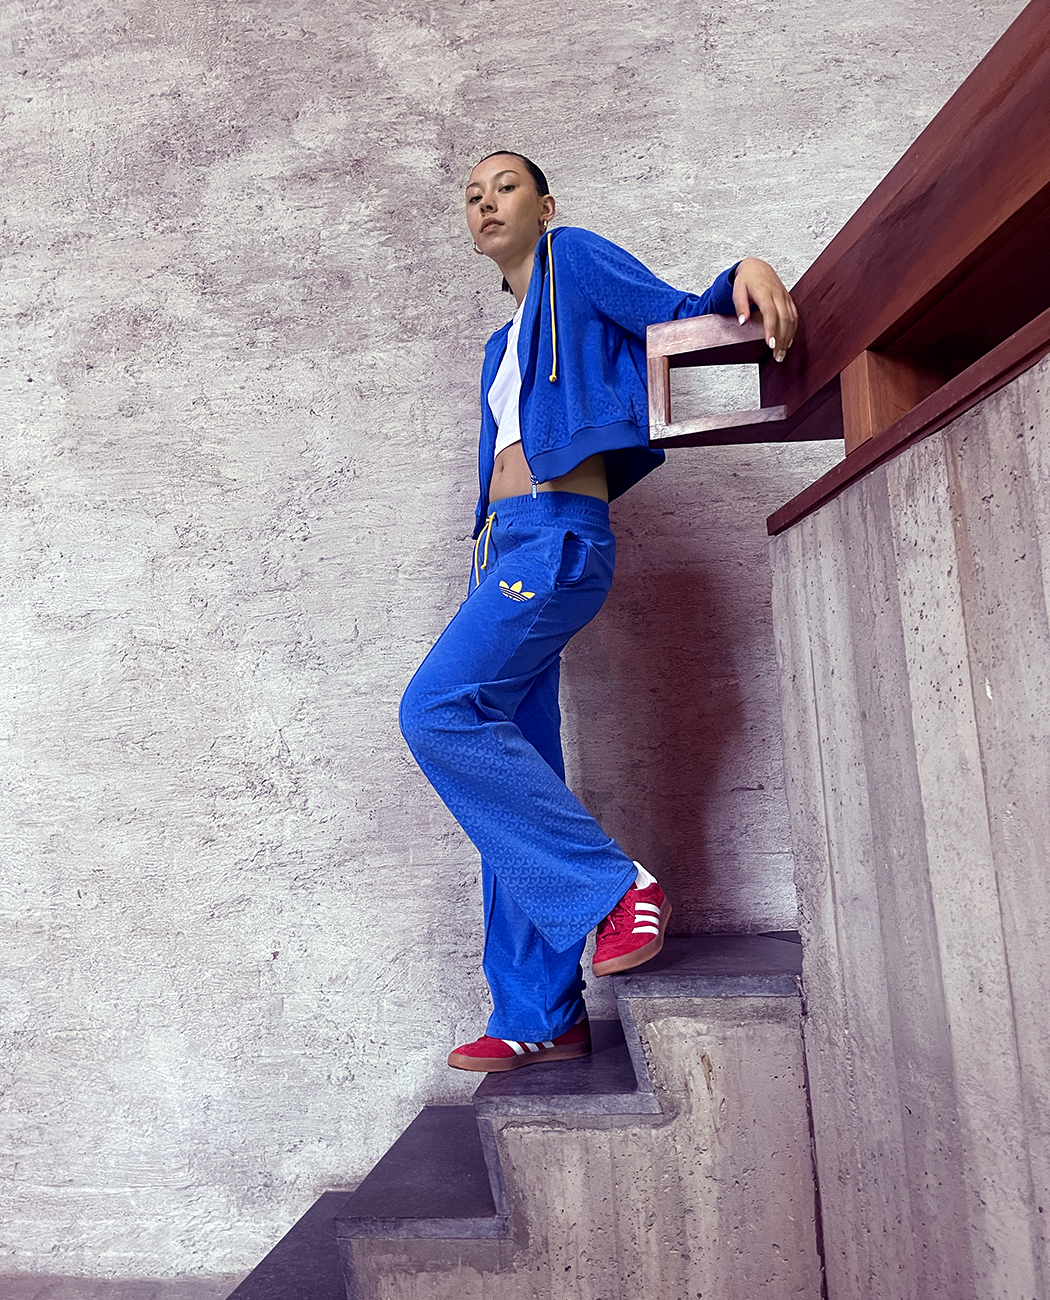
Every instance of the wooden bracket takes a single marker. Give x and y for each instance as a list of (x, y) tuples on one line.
[(704, 341)]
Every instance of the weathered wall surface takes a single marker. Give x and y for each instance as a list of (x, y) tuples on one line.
[(243, 333), (913, 633)]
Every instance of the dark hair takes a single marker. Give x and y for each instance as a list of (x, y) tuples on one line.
[(538, 179), (537, 175)]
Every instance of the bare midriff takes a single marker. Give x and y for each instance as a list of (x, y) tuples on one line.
[(511, 477)]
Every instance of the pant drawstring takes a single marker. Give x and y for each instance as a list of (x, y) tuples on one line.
[(486, 532)]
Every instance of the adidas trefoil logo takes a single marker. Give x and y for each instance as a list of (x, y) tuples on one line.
[(515, 592)]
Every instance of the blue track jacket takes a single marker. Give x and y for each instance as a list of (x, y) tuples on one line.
[(581, 351)]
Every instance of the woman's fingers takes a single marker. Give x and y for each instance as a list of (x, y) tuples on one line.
[(779, 318), (741, 297), (756, 282), (781, 323)]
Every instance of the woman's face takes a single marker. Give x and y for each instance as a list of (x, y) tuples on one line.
[(505, 214)]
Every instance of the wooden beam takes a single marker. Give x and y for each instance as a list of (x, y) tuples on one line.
[(819, 420), (659, 392), (703, 334), (993, 371), (758, 421)]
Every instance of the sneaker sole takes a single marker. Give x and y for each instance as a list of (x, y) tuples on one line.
[(640, 955), (498, 1064)]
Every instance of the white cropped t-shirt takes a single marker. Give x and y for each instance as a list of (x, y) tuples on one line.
[(505, 391)]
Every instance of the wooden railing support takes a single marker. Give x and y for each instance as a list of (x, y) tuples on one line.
[(703, 341), (879, 387)]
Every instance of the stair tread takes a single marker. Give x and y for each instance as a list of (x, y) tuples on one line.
[(435, 1170), (718, 965), (606, 1076), (434, 1181), (304, 1265)]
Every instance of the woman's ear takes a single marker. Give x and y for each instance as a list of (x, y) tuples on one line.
[(548, 207)]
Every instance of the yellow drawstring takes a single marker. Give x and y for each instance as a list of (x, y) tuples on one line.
[(486, 532), (554, 324)]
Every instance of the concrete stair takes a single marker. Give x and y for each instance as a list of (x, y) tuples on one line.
[(673, 1162)]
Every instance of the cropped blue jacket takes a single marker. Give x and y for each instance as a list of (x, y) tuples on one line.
[(581, 351)]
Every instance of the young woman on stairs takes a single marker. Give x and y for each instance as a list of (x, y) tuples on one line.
[(564, 429)]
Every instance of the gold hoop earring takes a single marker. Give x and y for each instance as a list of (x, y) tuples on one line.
[(476, 249)]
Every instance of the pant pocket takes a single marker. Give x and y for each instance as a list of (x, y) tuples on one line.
[(574, 553)]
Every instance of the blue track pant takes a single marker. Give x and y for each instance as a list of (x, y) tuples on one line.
[(482, 720)]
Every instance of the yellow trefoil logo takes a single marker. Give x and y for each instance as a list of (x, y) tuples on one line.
[(515, 592)]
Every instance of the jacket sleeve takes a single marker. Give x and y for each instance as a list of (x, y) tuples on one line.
[(621, 288)]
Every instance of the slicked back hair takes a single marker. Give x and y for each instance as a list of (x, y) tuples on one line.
[(537, 175)]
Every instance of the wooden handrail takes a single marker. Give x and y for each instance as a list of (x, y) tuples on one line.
[(939, 259), (987, 375), (942, 265), (720, 341)]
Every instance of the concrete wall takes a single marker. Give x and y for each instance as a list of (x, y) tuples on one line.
[(244, 326), (912, 625)]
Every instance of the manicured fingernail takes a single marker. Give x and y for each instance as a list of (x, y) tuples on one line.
[(779, 356), (743, 319), (772, 341)]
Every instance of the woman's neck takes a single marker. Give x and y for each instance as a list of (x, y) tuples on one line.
[(518, 272)]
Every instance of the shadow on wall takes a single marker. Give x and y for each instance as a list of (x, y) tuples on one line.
[(673, 717)]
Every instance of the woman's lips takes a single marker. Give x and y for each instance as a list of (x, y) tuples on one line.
[(490, 225)]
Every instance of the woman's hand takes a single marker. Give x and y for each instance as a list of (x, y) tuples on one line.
[(757, 283)]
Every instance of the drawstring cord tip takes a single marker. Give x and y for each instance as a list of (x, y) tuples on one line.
[(485, 533)]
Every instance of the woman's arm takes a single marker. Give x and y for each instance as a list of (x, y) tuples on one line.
[(757, 283), (620, 287)]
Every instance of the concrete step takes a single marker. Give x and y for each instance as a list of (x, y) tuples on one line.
[(604, 1083), (432, 1183), (449, 1209), (305, 1264)]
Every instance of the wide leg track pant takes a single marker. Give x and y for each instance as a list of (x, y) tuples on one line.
[(481, 717)]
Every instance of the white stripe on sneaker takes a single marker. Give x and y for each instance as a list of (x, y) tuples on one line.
[(547, 1043), (646, 929), (518, 1048), (646, 907)]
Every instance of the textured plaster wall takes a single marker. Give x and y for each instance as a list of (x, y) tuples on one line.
[(913, 623), (242, 328)]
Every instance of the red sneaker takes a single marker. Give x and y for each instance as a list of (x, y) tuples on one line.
[(495, 1054), (633, 931)]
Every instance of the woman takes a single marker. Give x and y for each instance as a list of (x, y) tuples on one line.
[(564, 428)]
